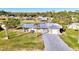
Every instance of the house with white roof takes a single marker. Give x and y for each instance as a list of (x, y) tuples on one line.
[(42, 19), (74, 26)]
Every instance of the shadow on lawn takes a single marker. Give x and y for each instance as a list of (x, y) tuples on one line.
[(22, 35), (17, 35)]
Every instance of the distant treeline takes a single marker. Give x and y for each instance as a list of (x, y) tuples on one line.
[(46, 14), (63, 17)]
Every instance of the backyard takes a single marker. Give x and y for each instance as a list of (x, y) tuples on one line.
[(20, 41)]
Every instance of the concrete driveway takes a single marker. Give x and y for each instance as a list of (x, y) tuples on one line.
[(53, 42)]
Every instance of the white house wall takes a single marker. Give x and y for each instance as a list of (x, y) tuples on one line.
[(39, 30), (42, 30), (50, 31), (74, 27), (54, 31)]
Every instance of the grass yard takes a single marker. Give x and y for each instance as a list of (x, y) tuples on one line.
[(20, 41), (71, 38), (31, 21)]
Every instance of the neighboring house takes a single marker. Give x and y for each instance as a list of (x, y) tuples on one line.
[(3, 17), (11, 16), (42, 19), (24, 18), (45, 19), (74, 26), (15, 17), (29, 18)]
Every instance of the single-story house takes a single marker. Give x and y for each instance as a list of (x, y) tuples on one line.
[(14, 17), (42, 28), (74, 26), (42, 19), (3, 17)]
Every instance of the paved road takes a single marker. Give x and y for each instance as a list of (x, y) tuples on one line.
[(53, 42)]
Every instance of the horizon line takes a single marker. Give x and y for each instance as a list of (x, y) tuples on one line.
[(38, 9)]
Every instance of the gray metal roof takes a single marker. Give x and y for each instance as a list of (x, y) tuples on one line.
[(55, 26), (28, 26), (42, 26)]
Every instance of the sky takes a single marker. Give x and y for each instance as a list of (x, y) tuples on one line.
[(37, 9)]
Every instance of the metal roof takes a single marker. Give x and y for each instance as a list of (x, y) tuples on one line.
[(28, 26), (54, 26), (43, 26), (74, 26)]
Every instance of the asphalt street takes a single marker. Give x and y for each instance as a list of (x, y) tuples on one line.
[(53, 42)]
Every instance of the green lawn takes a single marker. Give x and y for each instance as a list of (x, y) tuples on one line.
[(21, 41), (71, 38), (30, 21)]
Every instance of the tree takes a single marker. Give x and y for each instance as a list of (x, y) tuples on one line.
[(12, 23)]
